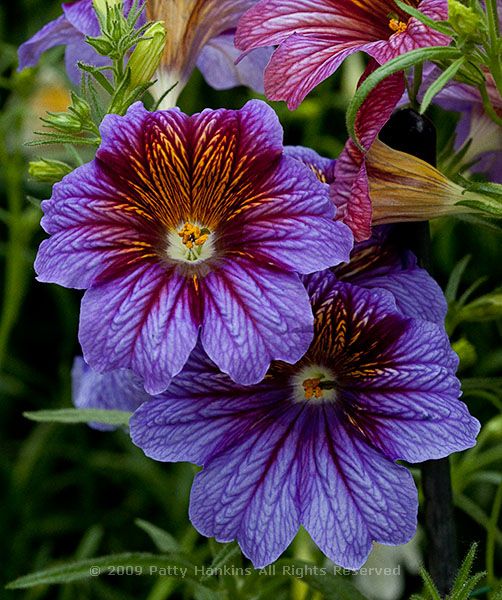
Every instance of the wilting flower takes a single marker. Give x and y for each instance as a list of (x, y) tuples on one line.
[(117, 390), (314, 37), (199, 33), (70, 29), (315, 443), (185, 223)]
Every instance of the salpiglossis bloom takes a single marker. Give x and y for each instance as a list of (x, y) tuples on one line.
[(316, 443), (187, 223), (315, 36)]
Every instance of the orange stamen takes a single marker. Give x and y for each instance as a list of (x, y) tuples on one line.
[(397, 26), (312, 388)]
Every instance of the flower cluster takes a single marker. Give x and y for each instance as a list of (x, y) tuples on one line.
[(225, 301)]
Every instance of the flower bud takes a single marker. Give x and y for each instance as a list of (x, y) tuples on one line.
[(100, 6), (48, 171), (466, 353), (145, 58), (464, 20)]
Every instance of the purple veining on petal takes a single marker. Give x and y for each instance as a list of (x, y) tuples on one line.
[(315, 443)]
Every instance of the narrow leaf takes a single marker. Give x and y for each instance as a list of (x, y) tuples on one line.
[(163, 540), (441, 26), (434, 89), (145, 564), (74, 415), (404, 61), (457, 273)]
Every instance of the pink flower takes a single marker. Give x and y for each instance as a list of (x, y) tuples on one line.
[(314, 37)]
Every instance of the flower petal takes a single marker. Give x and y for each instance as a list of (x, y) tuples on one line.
[(136, 321), (55, 33), (218, 63), (251, 492), (353, 495), (82, 16), (202, 412), (117, 390), (252, 315)]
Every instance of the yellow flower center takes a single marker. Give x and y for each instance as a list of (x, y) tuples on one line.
[(312, 388), (191, 242), (314, 383), (397, 26), (192, 235)]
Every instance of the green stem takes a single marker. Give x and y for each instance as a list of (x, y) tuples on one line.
[(490, 540), (490, 111), (14, 278), (493, 35)]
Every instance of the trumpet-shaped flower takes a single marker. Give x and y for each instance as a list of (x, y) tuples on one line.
[(187, 223), (315, 36), (316, 443), (199, 33)]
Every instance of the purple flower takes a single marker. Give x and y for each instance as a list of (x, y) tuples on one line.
[(70, 29), (117, 390), (183, 224), (315, 36), (315, 443), (383, 263), (198, 34)]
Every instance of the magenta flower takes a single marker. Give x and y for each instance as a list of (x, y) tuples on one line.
[(187, 223), (316, 443), (315, 36)]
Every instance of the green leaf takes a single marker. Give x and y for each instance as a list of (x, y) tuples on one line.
[(146, 564), (434, 89), (441, 26), (429, 585), (163, 540), (404, 61), (74, 415), (457, 273), (465, 569)]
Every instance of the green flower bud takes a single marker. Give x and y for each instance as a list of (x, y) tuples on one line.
[(464, 20), (486, 308), (466, 353), (145, 58), (48, 171), (100, 6)]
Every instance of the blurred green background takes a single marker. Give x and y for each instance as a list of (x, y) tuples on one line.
[(69, 492)]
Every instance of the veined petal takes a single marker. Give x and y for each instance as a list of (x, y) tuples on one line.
[(350, 188), (251, 492), (383, 262), (201, 413), (116, 390), (218, 64), (136, 321), (55, 33), (300, 64), (271, 22), (353, 495), (252, 315)]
